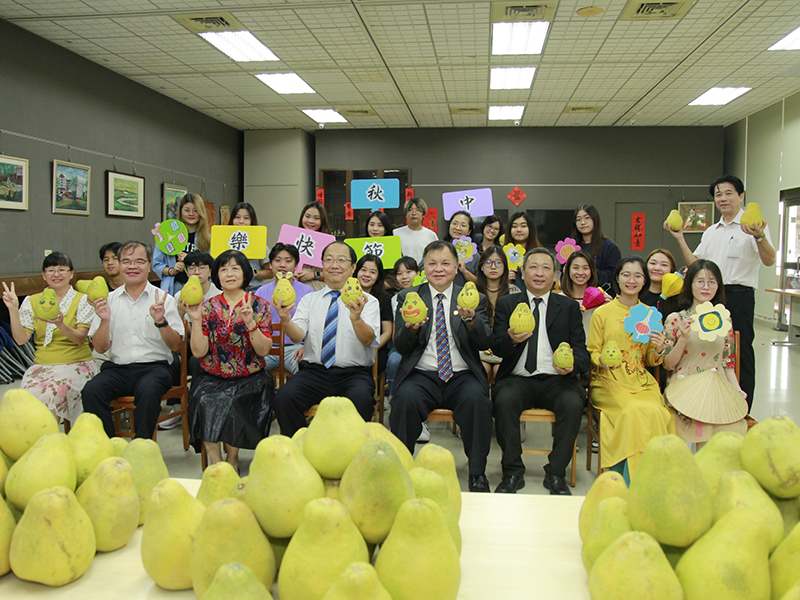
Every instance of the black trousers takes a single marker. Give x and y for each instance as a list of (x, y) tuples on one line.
[(146, 382), (561, 394), (312, 383), (423, 391), (741, 301)]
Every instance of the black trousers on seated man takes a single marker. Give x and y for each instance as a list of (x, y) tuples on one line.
[(312, 383), (422, 391), (146, 382), (561, 394)]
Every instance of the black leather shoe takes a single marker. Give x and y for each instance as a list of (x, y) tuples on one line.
[(478, 483), (510, 484), (557, 485)]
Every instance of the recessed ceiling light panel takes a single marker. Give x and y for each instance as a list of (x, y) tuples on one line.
[(286, 83), (241, 46), (506, 113), (325, 115), (718, 96), (790, 42), (512, 78), (526, 37)]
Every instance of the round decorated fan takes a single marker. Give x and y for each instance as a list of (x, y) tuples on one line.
[(466, 248), (711, 321), (515, 254), (565, 248), (707, 397), (642, 320)]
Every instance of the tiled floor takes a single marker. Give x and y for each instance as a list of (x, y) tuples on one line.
[(778, 372)]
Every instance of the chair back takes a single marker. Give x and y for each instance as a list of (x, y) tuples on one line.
[(278, 346)]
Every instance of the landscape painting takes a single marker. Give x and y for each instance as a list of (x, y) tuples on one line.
[(13, 183), (124, 195), (172, 198), (71, 188)]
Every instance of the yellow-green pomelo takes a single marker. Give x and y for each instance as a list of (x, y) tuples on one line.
[(148, 469), (229, 532), (240, 491), (192, 291), (718, 455), (784, 564), (419, 560), (332, 488), (790, 510), (351, 291), (48, 463), (611, 355), (119, 444), (730, 561), (235, 581), (298, 436), (610, 483), (609, 523), (7, 525), (521, 319), (53, 542), (634, 567), (674, 220), (278, 548), (219, 481), (90, 445), (563, 357), (469, 297), (669, 497), (739, 488), (377, 431), (337, 425), (280, 484), (793, 593), (325, 543), (111, 501), (359, 581), (442, 461), (97, 288), (429, 484), (414, 309), (752, 215), (170, 527), (23, 420), (82, 285), (771, 453), (15, 511), (47, 306), (3, 475), (283, 294), (373, 487)]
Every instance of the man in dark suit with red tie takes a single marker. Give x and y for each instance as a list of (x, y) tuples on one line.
[(527, 377), (441, 366)]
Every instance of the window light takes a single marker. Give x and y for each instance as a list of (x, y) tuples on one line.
[(325, 115), (505, 113), (241, 46), (790, 42), (286, 83), (525, 37), (513, 78), (718, 96)]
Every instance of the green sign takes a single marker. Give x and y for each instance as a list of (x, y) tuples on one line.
[(387, 248), (172, 237)]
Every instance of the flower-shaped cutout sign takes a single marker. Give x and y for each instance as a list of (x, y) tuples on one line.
[(642, 320), (711, 321), (515, 254), (564, 248), (466, 248), (420, 279)]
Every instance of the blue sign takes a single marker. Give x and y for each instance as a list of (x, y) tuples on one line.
[(375, 193)]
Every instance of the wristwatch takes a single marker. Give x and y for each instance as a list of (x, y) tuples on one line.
[(161, 325), (761, 239), (468, 320)]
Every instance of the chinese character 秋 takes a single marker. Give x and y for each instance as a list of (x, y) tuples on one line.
[(305, 245), (239, 241), (375, 193)]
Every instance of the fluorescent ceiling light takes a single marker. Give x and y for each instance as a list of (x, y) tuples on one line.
[(286, 83), (718, 96), (525, 37), (325, 115), (241, 46), (513, 78), (505, 113), (790, 42)]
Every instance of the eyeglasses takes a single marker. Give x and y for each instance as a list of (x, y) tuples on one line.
[(582, 219), (189, 210), (341, 261), (701, 283), (489, 263), (139, 262), (197, 268), (414, 209), (634, 276), (57, 270)]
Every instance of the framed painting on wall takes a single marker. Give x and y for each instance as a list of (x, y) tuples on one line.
[(124, 195), (71, 188), (696, 216), (171, 199), (13, 183)]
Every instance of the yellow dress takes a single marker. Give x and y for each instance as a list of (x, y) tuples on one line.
[(633, 409)]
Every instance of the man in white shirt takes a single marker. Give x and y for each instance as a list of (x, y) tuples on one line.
[(414, 237), (140, 328), (738, 250), (339, 343), (527, 377)]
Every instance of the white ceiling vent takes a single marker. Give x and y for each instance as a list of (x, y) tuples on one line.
[(636, 10), (582, 109), (357, 112), (205, 22), (467, 110), (512, 12)]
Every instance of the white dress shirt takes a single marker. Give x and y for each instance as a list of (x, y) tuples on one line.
[(138, 340), (428, 361), (734, 251), (350, 352), (544, 353)]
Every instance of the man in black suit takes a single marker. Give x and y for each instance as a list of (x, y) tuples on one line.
[(527, 377), (441, 367)]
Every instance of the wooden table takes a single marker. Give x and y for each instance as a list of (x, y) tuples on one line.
[(793, 339), (514, 546)]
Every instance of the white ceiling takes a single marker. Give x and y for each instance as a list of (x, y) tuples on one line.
[(411, 62)]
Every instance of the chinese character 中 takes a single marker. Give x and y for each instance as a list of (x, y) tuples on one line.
[(375, 193), (466, 202), (239, 241), (305, 245), (375, 248)]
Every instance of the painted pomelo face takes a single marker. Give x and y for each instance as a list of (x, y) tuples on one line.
[(284, 293), (468, 297), (47, 306), (522, 319), (710, 321), (352, 290), (97, 289), (414, 309), (192, 292)]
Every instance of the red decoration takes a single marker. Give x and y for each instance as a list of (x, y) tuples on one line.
[(637, 231), (409, 194), (517, 196), (429, 220), (348, 211), (321, 197), (381, 210)]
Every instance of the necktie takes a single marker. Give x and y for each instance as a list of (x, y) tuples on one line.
[(329, 334), (443, 362), (533, 342)]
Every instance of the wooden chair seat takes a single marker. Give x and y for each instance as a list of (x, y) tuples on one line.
[(443, 414), (540, 415)]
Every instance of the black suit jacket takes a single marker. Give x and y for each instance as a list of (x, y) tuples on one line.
[(564, 323), (411, 343)]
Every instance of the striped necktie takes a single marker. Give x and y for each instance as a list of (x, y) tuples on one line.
[(443, 362), (329, 334)]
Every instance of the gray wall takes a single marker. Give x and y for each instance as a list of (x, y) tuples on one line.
[(57, 105)]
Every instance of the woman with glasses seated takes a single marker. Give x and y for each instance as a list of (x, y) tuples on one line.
[(629, 398), (63, 360)]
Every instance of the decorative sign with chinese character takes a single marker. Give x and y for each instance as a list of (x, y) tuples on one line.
[(321, 196), (429, 221), (516, 196), (251, 240), (637, 231), (477, 203), (309, 244), (386, 248), (172, 237), (375, 193), (642, 320), (348, 211), (409, 194)]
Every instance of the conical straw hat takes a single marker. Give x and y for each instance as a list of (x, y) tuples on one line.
[(707, 397)]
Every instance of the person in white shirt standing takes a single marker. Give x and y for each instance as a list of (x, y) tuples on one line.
[(738, 250), (140, 328), (414, 237)]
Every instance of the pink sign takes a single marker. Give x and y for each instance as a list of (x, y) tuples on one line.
[(310, 244)]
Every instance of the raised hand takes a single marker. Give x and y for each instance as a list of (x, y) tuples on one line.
[(356, 306), (102, 309), (10, 298), (678, 235), (157, 310), (658, 340), (685, 326), (247, 310), (755, 229), (179, 267)]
